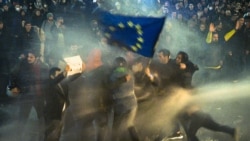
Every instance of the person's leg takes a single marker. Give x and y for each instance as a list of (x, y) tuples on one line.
[(100, 125), (209, 123), (25, 105), (38, 104), (191, 124), (69, 126), (118, 127), (133, 133), (130, 124), (53, 130), (48, 129)]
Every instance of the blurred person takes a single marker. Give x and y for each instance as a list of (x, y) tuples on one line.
[(130, 57), (165, 69), (192, 23), (177, 8), (229, 60), (46, 30), (117, 8), (187, 68), (15, 28), (144, 82), (172, 73), (220, 29), (29, 38), (58, 33), (199, 6), (124, 101), (174, 15), (181, 6), (24, 17), (192, 118), (202, 31), (235, 42), (185, 4), (165, 9), (214, 46), (190, 11), (226, 18), (87, 116), (56, 101), (28, 77), (5, 15), (213, 62), (203, 3), (4, 61), (30, 7), (206, 13), (37, 18), (180, 18), (203, 19)]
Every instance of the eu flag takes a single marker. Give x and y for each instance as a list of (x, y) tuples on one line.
[(137, 34)]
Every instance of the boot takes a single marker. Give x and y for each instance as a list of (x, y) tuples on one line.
[(133, 133)]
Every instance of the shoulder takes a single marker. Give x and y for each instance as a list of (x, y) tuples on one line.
[(44, 65)]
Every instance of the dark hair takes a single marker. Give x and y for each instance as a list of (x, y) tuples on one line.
[(27, 22), (53, 70), (142, 60), (184, 56), (35, 52), (120, 62), (165, 52)]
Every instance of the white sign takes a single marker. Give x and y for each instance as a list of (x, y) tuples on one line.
[(75, 64)]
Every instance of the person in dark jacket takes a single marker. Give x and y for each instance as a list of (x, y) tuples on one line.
[(188, 69), (144, 86), (28, 80), (37, 18), (29, 38), (192, 118), (55, 100), (165, 70), (4, 61), (29, 77), (124, 100)]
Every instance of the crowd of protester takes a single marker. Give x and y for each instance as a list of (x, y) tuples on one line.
[(211, 37)]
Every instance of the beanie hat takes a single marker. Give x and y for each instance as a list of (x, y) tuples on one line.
[(49, 15)]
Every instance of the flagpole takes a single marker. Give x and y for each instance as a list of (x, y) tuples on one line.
[(150, 60)]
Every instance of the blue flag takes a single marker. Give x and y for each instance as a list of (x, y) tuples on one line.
[(137, 34)]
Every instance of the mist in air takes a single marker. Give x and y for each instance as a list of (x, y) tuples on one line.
[(158, 113)]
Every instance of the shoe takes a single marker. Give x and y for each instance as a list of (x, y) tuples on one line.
[(236, 135), (176, 136)]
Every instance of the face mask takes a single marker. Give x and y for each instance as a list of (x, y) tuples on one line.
[(17, 9)]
